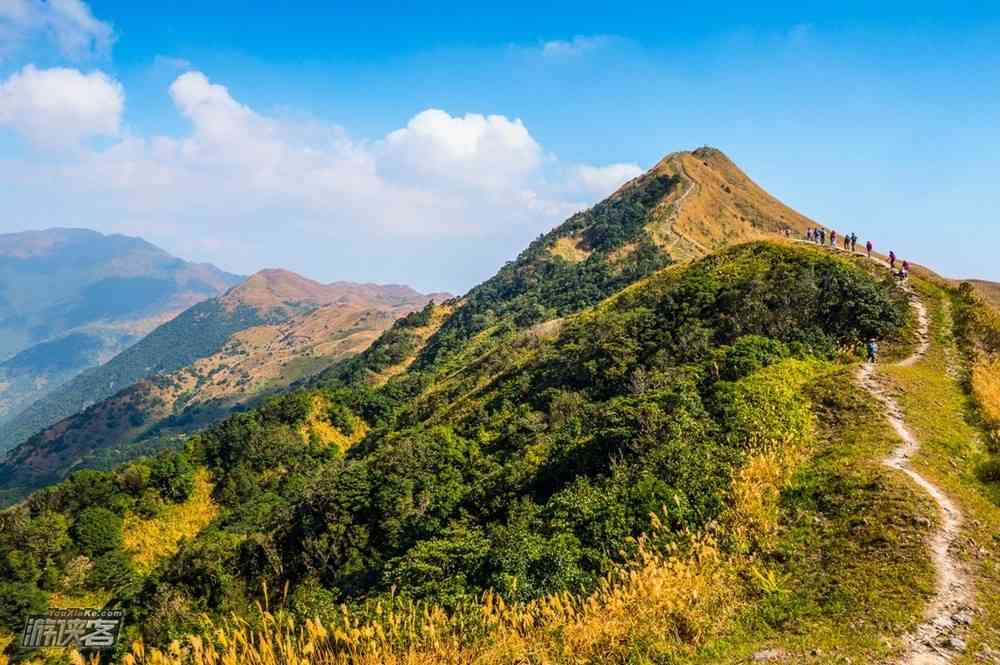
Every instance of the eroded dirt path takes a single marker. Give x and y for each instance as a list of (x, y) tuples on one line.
[(940, 637)]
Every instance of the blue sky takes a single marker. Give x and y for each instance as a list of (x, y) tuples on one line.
[(427, 144)]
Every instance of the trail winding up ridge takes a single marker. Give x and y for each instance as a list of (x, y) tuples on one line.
[(938, 638)]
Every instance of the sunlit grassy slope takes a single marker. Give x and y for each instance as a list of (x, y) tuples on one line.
[(150, 540), (957, 454)]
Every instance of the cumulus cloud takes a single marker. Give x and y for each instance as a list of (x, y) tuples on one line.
[(69, 25), (487, 151), (256, 182), (60, 106)]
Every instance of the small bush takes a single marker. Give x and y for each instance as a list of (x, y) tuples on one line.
[(989, 471), (111, 571), (98, 530), (18, 600), (173, 475)]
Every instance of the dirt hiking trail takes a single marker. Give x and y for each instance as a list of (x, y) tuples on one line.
[(940, 637)]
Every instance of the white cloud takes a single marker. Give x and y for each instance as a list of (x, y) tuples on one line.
[(578, 45), (59, 106), (603, 180), (68, 25), (257, 183), (485, 151)]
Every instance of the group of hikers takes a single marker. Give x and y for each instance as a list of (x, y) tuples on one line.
[(850, 244), (820, 236)]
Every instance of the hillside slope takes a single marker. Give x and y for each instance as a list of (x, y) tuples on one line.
[(606, 453), (528, 460), (271, 330), (688, 205), (71, 299)]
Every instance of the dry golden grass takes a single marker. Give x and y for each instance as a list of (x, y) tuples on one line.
[(150, 540), (90, 599), (724, 207), (989, 291), (316, 428), (664, 603), (986, 389), (569, 249)]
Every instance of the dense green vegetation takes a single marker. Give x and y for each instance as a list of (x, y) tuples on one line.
[(513, 462), (539, 285), (68, 538)]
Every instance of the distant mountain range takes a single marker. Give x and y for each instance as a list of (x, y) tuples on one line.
[(71, 299), (273, 329)]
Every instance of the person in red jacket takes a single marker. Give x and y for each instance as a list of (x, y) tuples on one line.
[(869, 247), (833, 238)]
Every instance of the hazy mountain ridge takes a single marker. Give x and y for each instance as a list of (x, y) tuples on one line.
[(71, 299), (269, 331)]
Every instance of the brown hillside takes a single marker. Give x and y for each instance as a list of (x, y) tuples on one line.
[(311, 327), (989, 291), (717, 206), (714, 205), (271, 289)]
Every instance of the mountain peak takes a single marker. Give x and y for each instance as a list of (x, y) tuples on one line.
[(274, 287), (717, 205)]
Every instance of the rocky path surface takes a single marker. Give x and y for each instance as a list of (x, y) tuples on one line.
[(940, 637)]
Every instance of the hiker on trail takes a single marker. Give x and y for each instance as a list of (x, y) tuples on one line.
[(904, 271), (833, 238), (809, 235), (872, 347), (847, 243), (854, 242), (869, 247), (892, 260)]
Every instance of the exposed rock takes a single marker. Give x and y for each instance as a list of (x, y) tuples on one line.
[(955, 644)]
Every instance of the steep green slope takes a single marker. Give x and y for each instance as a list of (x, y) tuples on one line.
[(525, 463)]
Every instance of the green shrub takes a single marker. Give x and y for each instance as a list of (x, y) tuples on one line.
[(112, 571), (173, 475), (989, 471), (19, 600), (97, 530)]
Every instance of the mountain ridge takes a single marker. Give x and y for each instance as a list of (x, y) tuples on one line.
[(71, 299), (614, 450), (274, 328)]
